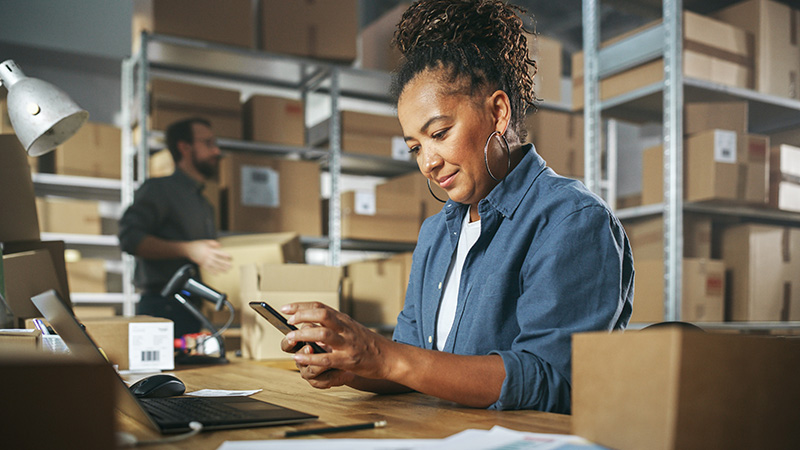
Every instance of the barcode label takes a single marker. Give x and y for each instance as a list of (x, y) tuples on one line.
[(150, 355)]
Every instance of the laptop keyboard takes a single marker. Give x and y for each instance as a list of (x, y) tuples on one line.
[(187, 409)]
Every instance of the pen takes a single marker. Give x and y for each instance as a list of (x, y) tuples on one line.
[(359, 426), (41, 326)]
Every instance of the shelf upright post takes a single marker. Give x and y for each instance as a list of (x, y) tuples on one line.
[(126, 188), (335, 144), (673, 158), (591, 108)]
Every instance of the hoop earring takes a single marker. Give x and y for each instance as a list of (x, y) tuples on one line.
[(486, 154), (434, 195)]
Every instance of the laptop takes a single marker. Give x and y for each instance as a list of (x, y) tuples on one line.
[(171, 414)]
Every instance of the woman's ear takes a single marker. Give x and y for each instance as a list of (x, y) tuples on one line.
[(501, 110)]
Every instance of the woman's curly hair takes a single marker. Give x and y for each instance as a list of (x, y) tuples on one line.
[(482, 44)]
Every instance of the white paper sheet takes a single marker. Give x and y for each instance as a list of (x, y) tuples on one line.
[(498, 438), (222, 393)]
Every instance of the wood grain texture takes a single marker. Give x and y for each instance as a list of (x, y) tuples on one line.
[(412, 415)]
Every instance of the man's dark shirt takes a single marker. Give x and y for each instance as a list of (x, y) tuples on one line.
[(171, 208)]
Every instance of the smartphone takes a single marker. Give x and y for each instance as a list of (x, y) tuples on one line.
[(278, 321)]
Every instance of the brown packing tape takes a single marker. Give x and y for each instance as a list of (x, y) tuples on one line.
[(787, 301), (786, 247), (741, 186)]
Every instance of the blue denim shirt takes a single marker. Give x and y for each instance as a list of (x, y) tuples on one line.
[(551, 260)]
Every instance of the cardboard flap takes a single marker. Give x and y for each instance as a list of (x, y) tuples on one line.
[(17, 199), (28, 274), (298, 278)]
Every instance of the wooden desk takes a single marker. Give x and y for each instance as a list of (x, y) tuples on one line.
[(408, 415)]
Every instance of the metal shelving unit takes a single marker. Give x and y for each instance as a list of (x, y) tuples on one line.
[(169, 56), (664, 102)]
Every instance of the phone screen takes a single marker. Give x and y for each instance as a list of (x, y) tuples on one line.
[(278, 321)]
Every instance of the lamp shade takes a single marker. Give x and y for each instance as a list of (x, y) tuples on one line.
[(43, 116)]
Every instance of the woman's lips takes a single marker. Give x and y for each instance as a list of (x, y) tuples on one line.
[(446, 181)]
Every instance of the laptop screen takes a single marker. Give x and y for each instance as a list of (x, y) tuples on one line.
[(80, 344)]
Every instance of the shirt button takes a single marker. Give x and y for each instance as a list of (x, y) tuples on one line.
[(440, 285), (430, 339)]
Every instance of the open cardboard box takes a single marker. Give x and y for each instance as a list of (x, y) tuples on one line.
[(672, 388)]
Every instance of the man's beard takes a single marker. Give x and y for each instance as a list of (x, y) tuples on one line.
[(208, 168)]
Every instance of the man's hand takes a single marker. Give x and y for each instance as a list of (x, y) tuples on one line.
[(208, 255)]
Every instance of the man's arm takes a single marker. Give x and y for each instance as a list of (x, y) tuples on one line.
[(206, 253)]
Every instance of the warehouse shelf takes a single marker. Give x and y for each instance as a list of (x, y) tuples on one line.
[(748, 213), (83, 239), (766, 113), (735, 326), (86, 188), (663, 102), (358, 244)]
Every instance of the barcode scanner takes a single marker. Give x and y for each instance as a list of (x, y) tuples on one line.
[(183, 286)]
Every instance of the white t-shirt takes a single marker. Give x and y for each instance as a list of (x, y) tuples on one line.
[(470, 231)]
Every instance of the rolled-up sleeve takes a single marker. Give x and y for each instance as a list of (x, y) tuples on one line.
[(142, 218), (579, 278)]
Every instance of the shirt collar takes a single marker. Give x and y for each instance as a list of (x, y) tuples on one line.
[(507, 196), (184, 178)]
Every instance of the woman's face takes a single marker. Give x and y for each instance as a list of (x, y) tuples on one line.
[(447, 132)]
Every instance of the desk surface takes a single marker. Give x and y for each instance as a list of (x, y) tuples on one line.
[(408, 415)]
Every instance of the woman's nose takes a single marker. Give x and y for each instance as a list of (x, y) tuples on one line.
[(428, 160)]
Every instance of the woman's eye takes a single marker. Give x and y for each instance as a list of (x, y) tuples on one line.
[(414, 150), (439, 134)]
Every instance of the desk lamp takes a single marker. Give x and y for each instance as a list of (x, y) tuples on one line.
[(43, 116)]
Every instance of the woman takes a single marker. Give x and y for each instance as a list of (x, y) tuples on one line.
[(517, 260)]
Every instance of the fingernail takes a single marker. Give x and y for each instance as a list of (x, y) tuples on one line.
[(286, 308), (290, 336)]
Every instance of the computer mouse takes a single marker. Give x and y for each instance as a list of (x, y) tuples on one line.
[(158, 386)]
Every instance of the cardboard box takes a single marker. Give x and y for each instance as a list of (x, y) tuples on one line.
[(647, 237), (325, 29), (66, 215), (784, 177), (231, 23), (17, 198), (269, 195), (712, 50), (549, 67), (679, 389), (361, 220), (378, 289), (707, 180), (785, 195), (279, 284), (171, 101), (87, 275), (161, 164), (558, 137), (372, 134), (711, 166), (763, 263), (274, 119), (702, 116), (21, 338), (34, 272), (374, 41), (94, 151), (139, 343), (5, 120), (413, 185), (703, 291), (79, 398), (29, 273), (274, 248), (774, 26)]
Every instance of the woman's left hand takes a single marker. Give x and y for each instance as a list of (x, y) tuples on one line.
[(350, 347)]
